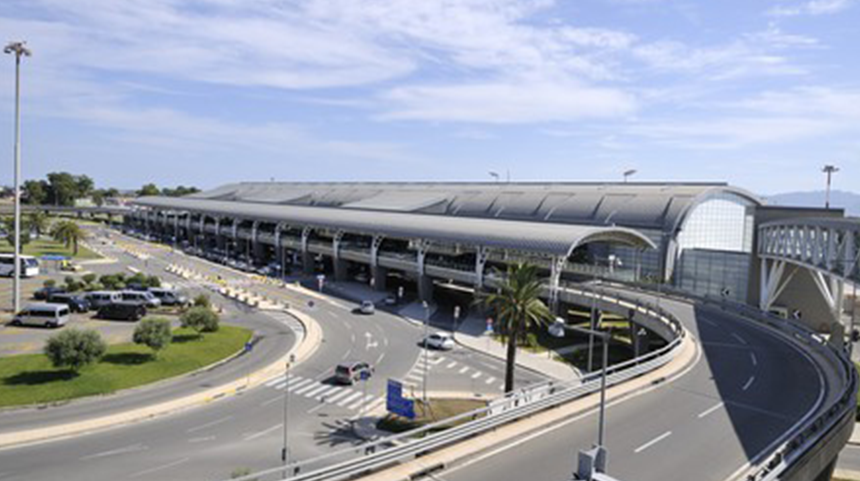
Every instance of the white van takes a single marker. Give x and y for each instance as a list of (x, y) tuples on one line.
[(44, 315), (141, 296), (102, 298)]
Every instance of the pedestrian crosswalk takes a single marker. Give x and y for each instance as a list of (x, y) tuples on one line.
[(438, 362), (345, 397)]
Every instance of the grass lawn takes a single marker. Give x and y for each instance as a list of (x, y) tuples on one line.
[(31, 379), (439, 409), (47, 246)]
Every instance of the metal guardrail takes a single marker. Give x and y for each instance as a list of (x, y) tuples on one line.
[(792, 445), (390, 451)]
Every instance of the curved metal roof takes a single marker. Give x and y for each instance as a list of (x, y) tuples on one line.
[(545, 238), (660, 206)]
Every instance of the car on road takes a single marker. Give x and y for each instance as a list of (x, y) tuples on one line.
[(42, 314), (439, 340), (390, 301), (102, 298), (366, 307), (46, 292), (123, 311), (141, 296), (352, 372), (169, 297), (76, 302)]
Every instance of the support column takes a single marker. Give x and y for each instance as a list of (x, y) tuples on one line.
[(481, 256), (234, 235), (307, 260), (251, 251), (554, 280), (425, 284), (279, 249), (220, 241), (340, 266), (377, 273), (175, 227)]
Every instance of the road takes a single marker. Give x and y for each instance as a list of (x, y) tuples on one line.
[(747, 387), (247, 430)]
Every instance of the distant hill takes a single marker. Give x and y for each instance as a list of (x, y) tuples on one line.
[(838, 198)]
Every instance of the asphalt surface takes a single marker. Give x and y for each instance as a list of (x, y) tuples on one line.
[(746, 389), (247, 430)]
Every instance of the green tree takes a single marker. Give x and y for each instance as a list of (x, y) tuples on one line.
[(153, 333), (517, 306), (84, 186), (63, 188), (38, 222), (9, 226), (69, 233), (202, 300), (111, 192), (109, 281), (36, 192), (148, 189), (89, 278), (98, 197), (200, 319), (75, 348), (153, 281)]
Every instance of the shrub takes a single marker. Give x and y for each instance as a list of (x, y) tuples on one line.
[(109, 281), (153, 333), (202, 300), (89, 278), (201, 319), (75, 348), (532, 340), (153, 281), (50, 283), (73, 285)]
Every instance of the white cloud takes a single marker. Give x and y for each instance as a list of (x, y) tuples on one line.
[(507, 103), (811, 7)]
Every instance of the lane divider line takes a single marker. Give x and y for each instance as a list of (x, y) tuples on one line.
[(652, 442)]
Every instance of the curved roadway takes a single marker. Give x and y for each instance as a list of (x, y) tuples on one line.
[(746, 388)]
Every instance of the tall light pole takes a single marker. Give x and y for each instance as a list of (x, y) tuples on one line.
[(20, 50), (426, 351), (285, 451), (494, 175), (628, 173), (829, 170)]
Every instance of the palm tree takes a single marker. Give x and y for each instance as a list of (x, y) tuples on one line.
[(39, 222), (69, 233), (518, 306)]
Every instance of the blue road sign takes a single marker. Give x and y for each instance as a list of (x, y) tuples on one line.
[(248, 346), (365, 375), (396, 404)]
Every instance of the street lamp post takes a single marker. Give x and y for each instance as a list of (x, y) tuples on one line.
[(426, 351), (628, 173), (20, 50), (285, 451), (829, 170)]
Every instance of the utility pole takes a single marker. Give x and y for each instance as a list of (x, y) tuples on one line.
[(285, 451), (829, 170), (20, 50), (628, 173)]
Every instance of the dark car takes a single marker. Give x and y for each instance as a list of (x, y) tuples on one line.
[(135, 286), (76, 302), (46, 292), (123, 311)]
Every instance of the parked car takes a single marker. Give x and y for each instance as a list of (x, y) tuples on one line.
[(123, 311), (367, 307), (351, 372), (145, 297), (390, 301), (76, 302), (169, 297), (45, 292), (102, 298), (135, 286), (42, 314), (439, 340)]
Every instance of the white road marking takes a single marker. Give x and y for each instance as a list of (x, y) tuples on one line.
[(464, 370), (380, 358), (271, 401), (201, 439), (334, 397), (748, 383), (263, 432), (318, 390), (306, 388), (276, 380), (159, 468), (375, 404), (128, 449), (327, 392), (349, 398), (209, 424), (739, 338), (293, 385), (437, 360), (710, 410), (451, 364), (652, 442), (358, 404), (754, 360), (490, 380), (476, 375), (413, 376)]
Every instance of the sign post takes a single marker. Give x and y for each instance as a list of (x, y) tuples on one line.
[(320, 282), (396, 404)]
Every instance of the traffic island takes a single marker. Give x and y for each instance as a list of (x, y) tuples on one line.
[(435, 410), (30, 379)]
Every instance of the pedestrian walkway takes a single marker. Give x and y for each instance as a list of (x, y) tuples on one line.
[(347, 397), (439, 363), (471, 333)]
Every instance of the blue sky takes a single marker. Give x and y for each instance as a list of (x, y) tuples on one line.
[(758, 93)]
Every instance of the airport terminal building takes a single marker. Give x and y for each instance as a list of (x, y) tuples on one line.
[(698, 237)]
